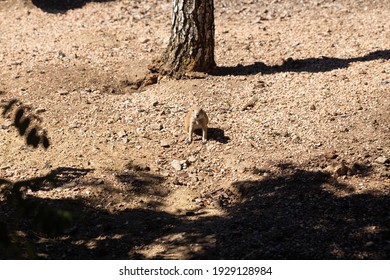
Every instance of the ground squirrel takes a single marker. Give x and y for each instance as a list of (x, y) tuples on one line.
[(196, 118)]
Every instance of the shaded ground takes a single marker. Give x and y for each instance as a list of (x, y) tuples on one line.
[(297, 162)]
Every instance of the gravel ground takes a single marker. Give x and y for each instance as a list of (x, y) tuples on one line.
[(297, 165)]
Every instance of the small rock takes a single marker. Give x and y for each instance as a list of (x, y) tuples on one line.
[(182, 174), (295, 44), (191, 159), (341, 169), (330, 154), (382, 160), (122, 134), (164, 143), (74, 125), (250, 103), (197, 200), (61, 54), (40, 110), (99, 182), (156, 126), (317, 145), (176, 165), (193, 178), (6, 124), (216, 203), (179, 164), (62, 92), (144, 40)]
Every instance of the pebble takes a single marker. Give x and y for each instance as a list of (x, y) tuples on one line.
[(40, 110), (176, 165), (6, 124), (338, 170), (197, 200), (191, 159), (216, 203), (250, 103), (382, 160), (62, 92), (294, 44), (99, 181), (179, 164), (165, 143), (182, 174), (144, 40), (156, 126), (341, 169), (122, 134), (330, 154)]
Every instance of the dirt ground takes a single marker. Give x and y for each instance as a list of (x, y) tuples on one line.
[(297, 165)]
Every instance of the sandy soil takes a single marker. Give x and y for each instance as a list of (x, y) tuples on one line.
[(297, 165)]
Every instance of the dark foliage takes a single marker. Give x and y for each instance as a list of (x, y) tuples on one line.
[(26, 123), (43, 217)]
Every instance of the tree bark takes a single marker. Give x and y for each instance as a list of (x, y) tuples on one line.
[(191, 45)]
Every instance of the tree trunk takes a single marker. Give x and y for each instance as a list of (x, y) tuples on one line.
[(191, 46)]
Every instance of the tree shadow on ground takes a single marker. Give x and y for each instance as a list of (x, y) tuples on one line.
[(292, 213), (301, 214), (60, 6), (100, 234), (54, 179), (96, 232), (312, 65)]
